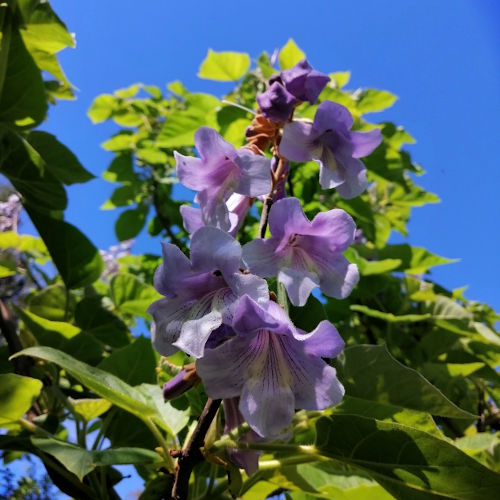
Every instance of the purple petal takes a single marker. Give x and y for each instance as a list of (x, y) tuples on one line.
[(287, 218), (213, 249), (266, 405), (304, 82), (331, 173), (299, 284), (355, 179), (338, 228), (324, 341), (191, 218), (174, 268), (338, 277), (179, 384), (298, 141), (249, 317), (190, 171), (363, 143), (315, 83), (332, 116), (255, 177), (214, 210), (248, 284), (276, 103), (260, 257), (212, 147)]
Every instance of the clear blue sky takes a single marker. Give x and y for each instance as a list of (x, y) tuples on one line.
[(441, 58)]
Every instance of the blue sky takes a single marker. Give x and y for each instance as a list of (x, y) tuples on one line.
[(440, 57)]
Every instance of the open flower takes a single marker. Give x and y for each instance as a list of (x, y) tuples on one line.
[(329, 142), (199, 294), (220, 171), (305, 254), (273, 367)]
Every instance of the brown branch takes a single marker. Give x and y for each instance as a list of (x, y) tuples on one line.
[(191, 454)]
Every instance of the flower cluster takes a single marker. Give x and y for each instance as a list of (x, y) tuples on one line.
[(217, 306), (9, 213)]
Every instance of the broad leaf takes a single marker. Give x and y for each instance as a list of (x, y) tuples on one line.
[(131, 295), (224, 66), (290, 55), (17, 394)]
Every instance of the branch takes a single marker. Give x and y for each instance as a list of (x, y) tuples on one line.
[(265, 216), (191, 454)]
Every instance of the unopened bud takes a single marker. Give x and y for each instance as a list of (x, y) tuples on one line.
[(182, 382)]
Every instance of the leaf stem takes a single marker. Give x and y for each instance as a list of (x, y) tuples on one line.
[(161, 440)]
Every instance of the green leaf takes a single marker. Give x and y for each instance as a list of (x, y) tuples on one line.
[(340, 78), (22, 98), (224, 66), (127, 92), (308, 316), (101, 382), (17, 394), (80, 461), (415, 260), (46, 332), (371, 373), (89, 409), (59, 160), (76, 259), (102, 108), (120, 169), (167, 416), (28, 173), (51, 303), (122, 196), (131, 295), (130, 223), (22, 243), (134, 363), (409, 463), (290, 55), (92, 317), (370, 267), (375, 100), (122, 141)]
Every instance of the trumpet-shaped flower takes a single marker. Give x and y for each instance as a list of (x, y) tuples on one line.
[(330, 143), (273, 367), (220, 171), (200, 294), (276, 103), (305, 254)]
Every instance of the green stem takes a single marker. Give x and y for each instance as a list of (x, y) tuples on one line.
[(161, 440), (104, 425), (226, 442), (30, 426), (293, 460)]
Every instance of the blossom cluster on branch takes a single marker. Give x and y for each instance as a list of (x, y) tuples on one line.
[(217, 306)]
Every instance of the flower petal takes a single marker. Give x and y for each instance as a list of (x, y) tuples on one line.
[(260, 257), (191, 218), (190, 171), (174, 268), (286, 218), (363, 143), (338, 277), (355, 179), (255, 177), (212, 147), (299, 284), (332, 116), (336, 226), (213, 249), (323, 341), (249, 317), (297, 143)]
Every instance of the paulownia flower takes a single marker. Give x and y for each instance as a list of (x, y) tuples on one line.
[(276, 103), (237, 206), (304, 82), (330, 143), (200, 294), (273, 367), (305, 254), (220, 171)]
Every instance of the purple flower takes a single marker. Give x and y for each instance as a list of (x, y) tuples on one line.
[(329, 142), (276, 103), (304, 82), (244, 459), (220, 171), (303, 254), (237, 206), (200, 294), (273, 367), (181, 383)]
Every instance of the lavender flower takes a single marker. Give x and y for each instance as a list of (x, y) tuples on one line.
[(220, 171), (237, 206), (304, 82), (114, 253), (303, 254), (273, 367), (181, 383), (329, 142), (9, 213), (199, 295), (276, 103)]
